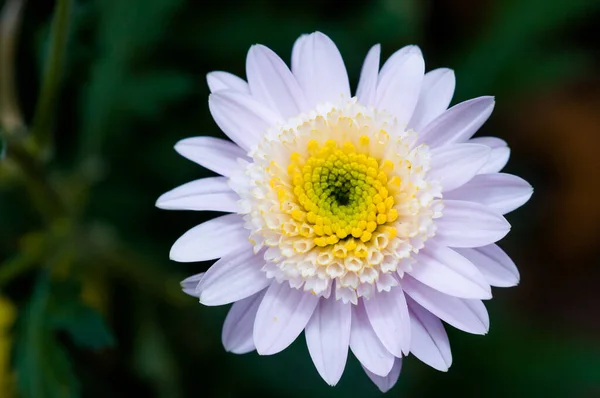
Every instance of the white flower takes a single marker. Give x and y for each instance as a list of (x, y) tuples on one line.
[(360, 220)]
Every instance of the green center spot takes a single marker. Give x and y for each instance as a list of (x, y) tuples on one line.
[(340, 187)]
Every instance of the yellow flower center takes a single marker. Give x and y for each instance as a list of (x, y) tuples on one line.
[(343, 195), (338, 198)]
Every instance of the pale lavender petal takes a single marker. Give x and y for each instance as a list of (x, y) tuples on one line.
[(389, 317), (272, 83), (399, 93), (327, 337), (448, 272), (367, 85), (495, 265), (189, 284), (281, 317), (242, 118), (211, 239), (492, 142), (436, 93), (458, 123), (464, 314), (469, 224), (239, 324), (394, 61), (319, 69), (454, 165), (210, 194), (500, 192), (429, 340), (234, 277), (215, 154), (365, 344), (218, 81), (386, 383), (498, 157)]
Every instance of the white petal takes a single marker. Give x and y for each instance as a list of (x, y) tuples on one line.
[(458, 123), (456, 164), (215, 154), (242, 118), (367, 84), (272, 83), (500, 192), (218, 81), (464, 314), (468, 224), (436, 93), (388, 314), (211, 193), (211, 239), (394, 61), (365, 344), (386, 383), (492, 142), (281, 317), (498, 157), (495, 265), (189, 284), (327, 337), (399, 93), (239, 324), (429, 340), (448, 272), (234, 277), (319, 69)]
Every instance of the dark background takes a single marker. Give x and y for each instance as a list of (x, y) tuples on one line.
[(90, 304)]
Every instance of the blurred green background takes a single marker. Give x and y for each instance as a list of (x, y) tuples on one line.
[(90, 304)]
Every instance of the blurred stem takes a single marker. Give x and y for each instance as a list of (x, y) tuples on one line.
[(22, 150), (17, 266), (130, 267), (11, 119), (43, 194), (100, 244), (53, 71)]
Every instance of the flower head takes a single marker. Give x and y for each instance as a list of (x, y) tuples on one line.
[(362, 221)]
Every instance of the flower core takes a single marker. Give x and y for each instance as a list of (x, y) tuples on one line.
[(339, 194)]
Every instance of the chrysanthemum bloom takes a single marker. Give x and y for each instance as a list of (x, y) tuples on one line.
[(362, 221)]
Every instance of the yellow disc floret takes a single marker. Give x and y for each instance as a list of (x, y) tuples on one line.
[(339, 198), (342, 193)]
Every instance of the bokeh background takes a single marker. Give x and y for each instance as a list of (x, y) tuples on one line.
[(90, 304)]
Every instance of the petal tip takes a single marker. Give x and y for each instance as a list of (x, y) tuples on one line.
[(174, 254), (414, 49), (180, 146)]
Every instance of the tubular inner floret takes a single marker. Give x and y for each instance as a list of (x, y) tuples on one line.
[(341, 193)]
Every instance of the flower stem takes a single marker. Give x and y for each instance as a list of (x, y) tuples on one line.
[(53, 71), (43, 194), (11, 119), (22, 150)]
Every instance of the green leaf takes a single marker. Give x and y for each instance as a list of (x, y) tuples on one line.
[(42, 365), (83, 324)]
